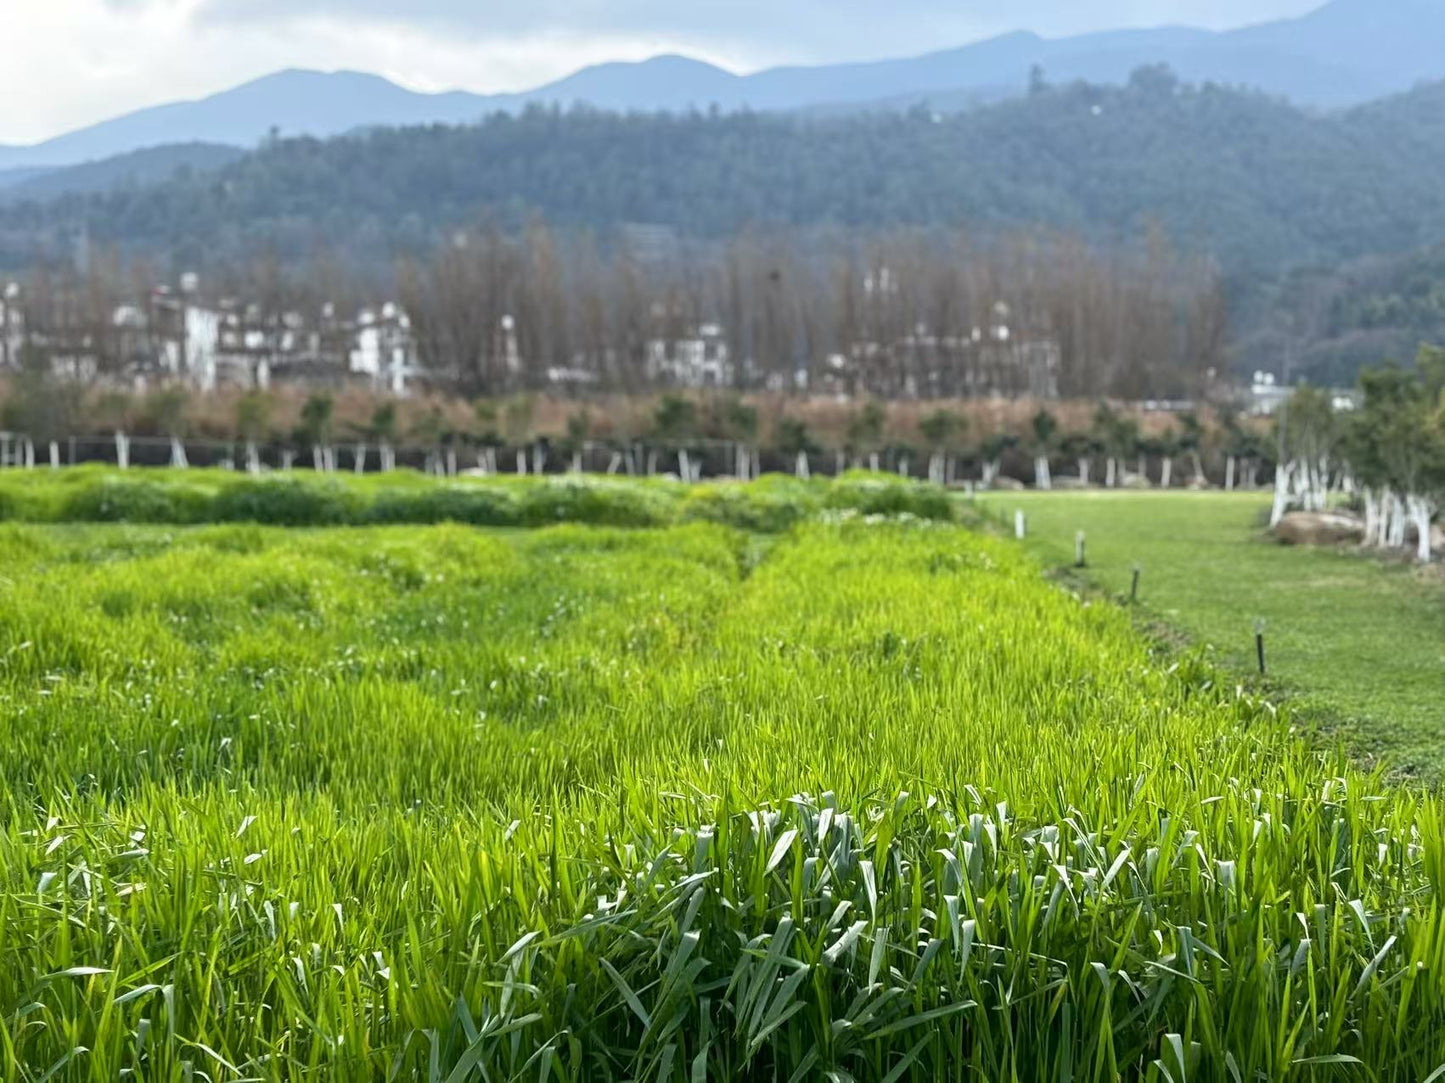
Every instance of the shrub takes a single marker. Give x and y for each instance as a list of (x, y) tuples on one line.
[(761, 507), (597, 502), (134, 500), (278, 502), (475, 505), (876, 494)]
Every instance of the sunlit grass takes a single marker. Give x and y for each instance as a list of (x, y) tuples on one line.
[(873, 800)]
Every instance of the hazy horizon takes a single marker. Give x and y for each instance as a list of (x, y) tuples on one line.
[(86, 61)]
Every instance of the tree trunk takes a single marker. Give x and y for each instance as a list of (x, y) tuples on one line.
[(1422, 510), (801, 466), (521, 462), (122, 450), (178, 454), (1229, 475), (1166, 473), (358, 466), (873, 461), (1111, 473), (253, 458), (318, 463), (615, 463), (1282, 476), (54, 455), (1042, 478), (1084, 466), (576, 462)]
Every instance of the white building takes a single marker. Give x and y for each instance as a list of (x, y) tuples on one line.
[(699, 360), (384, 351)]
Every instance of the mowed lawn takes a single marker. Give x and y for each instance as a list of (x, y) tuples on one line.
[(1357, 642)]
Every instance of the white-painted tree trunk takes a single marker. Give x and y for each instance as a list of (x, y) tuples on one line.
[(253, 458), (1229, 467), (1042, 478), (54, 455), (288, 459), (873, 464), (358, 465), (318, 460), (903, 467), (122, 450), (800, 468), (451, 462), (1111, 473), (1372, 516), (615, 463), (1282, 479), (1084, 467), (990, 472), (178, 454), (651, 463), (936, 469), (521, 462), (684, 466), (29, 454), (1421, 511), (1166, 473), (387, 454), (576, 467)]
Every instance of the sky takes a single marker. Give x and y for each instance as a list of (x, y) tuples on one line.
[(68, 63)]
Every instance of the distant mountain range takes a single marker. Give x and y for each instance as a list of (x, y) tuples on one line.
[(1347, 52)]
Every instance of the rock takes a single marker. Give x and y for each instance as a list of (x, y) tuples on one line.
[(1135, 481), (1008, 485), (1069, 484), (1319, 528)]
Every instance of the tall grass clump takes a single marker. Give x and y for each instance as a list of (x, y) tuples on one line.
[(880, 494), (586, 803)]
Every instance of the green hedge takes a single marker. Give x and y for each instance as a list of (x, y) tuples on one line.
[(769, 505)]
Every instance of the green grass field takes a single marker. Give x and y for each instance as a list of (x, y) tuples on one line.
[(1357, 643), (863, 800)]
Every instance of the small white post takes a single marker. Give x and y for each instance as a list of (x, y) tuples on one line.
[(1020, 525)]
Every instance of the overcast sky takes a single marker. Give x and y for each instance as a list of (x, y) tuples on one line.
[(68, 63)]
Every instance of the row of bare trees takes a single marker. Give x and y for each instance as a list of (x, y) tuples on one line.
[(905, 314), (895, 315)]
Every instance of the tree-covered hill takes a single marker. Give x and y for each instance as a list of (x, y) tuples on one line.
[(1255, 182)]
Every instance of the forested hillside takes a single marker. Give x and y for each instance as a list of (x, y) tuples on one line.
[(1255, 182), (1262, 187)]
